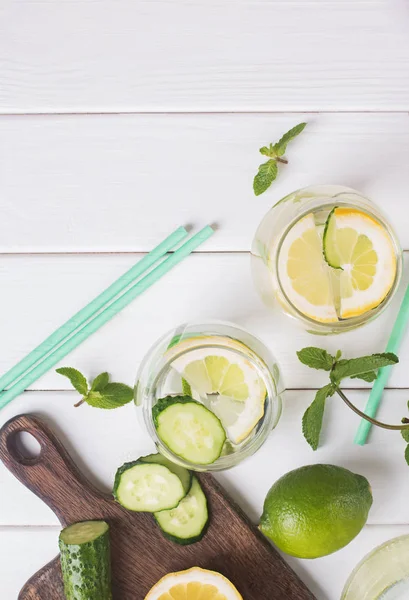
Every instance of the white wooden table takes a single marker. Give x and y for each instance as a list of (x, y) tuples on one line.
[(121, 119)]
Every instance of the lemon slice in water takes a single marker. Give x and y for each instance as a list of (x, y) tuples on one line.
[(228, 384), (304, 274), (194, 584), (362, 250)]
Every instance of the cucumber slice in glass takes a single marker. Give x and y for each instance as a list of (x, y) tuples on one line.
[(144, 487), (189, 429), (186, 524), (184, 475)]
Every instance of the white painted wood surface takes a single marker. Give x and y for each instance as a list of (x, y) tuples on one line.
[(82, 193), (122, 182), (122, 55), (205, 286)]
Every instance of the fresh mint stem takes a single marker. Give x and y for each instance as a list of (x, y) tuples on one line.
[(281, 160), (370, 419)]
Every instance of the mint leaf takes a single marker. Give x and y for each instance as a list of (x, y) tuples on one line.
[(405, 434), (407, 454), (267, 172), (358, 366), (281, 146), (368, 377), (316, 358), (312, 419), (77, 379), (113, 395), (100, 382), (267, 151)]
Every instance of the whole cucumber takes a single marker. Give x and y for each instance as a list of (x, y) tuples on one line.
[(85, 561)]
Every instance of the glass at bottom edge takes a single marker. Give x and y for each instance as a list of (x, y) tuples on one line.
[(383, 574)]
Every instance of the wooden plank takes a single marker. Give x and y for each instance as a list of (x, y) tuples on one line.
[(22, 550), (203, 55), (100, 441), (121, 183), (41, 292)]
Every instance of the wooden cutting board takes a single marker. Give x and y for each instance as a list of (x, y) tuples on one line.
[(140, 554)]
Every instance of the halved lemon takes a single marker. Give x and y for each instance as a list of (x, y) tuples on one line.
[(362, 250), (228, 384), (304, 274), (194, 584)]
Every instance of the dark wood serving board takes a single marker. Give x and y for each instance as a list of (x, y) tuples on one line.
[(140, 554)]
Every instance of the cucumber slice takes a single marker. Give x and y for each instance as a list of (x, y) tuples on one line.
[(189, 429), (186, 524), (85, 561), (144, 487), (184, 475), (331, 254)]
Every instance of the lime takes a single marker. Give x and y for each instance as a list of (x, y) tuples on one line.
[(316, 510), (362, 250)]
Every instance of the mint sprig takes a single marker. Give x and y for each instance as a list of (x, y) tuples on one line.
[(313, 416), (267, 172), (101, 393), (365, 368)]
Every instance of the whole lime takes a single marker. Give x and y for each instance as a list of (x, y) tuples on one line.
[(316, 510)]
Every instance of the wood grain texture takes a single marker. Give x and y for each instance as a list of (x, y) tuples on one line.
[(212, 55), (42, 292), (122, 182), (140, 554)]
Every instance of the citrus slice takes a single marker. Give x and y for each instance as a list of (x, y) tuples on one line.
[(304, 274), (229, 384), (362, 250), (194, 584)]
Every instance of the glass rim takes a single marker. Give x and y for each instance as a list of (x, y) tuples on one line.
[(388, 545), (273, 407), (347, 324)]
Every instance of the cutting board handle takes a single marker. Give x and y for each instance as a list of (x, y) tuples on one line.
[(51, 475)]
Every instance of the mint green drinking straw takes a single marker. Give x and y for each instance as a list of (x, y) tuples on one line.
[(110, 311), (90, 309), (378, 387)]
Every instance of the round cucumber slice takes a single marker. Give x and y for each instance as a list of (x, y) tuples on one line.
[(186, 524), (144, 487), (184, 475), (189, 429)]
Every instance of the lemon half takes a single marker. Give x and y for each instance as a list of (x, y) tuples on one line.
[(362, 250), (194, 584)]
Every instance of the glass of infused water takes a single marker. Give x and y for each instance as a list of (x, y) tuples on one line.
[(328, 257), (209, 395)]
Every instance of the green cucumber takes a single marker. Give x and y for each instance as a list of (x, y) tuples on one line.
[(331, 254), (186, 524), (85, 561), (189, 429), (184, 475), (144, 487)]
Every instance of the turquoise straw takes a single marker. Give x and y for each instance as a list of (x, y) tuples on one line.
[(90, 309), (77, 338), (375, 396)]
